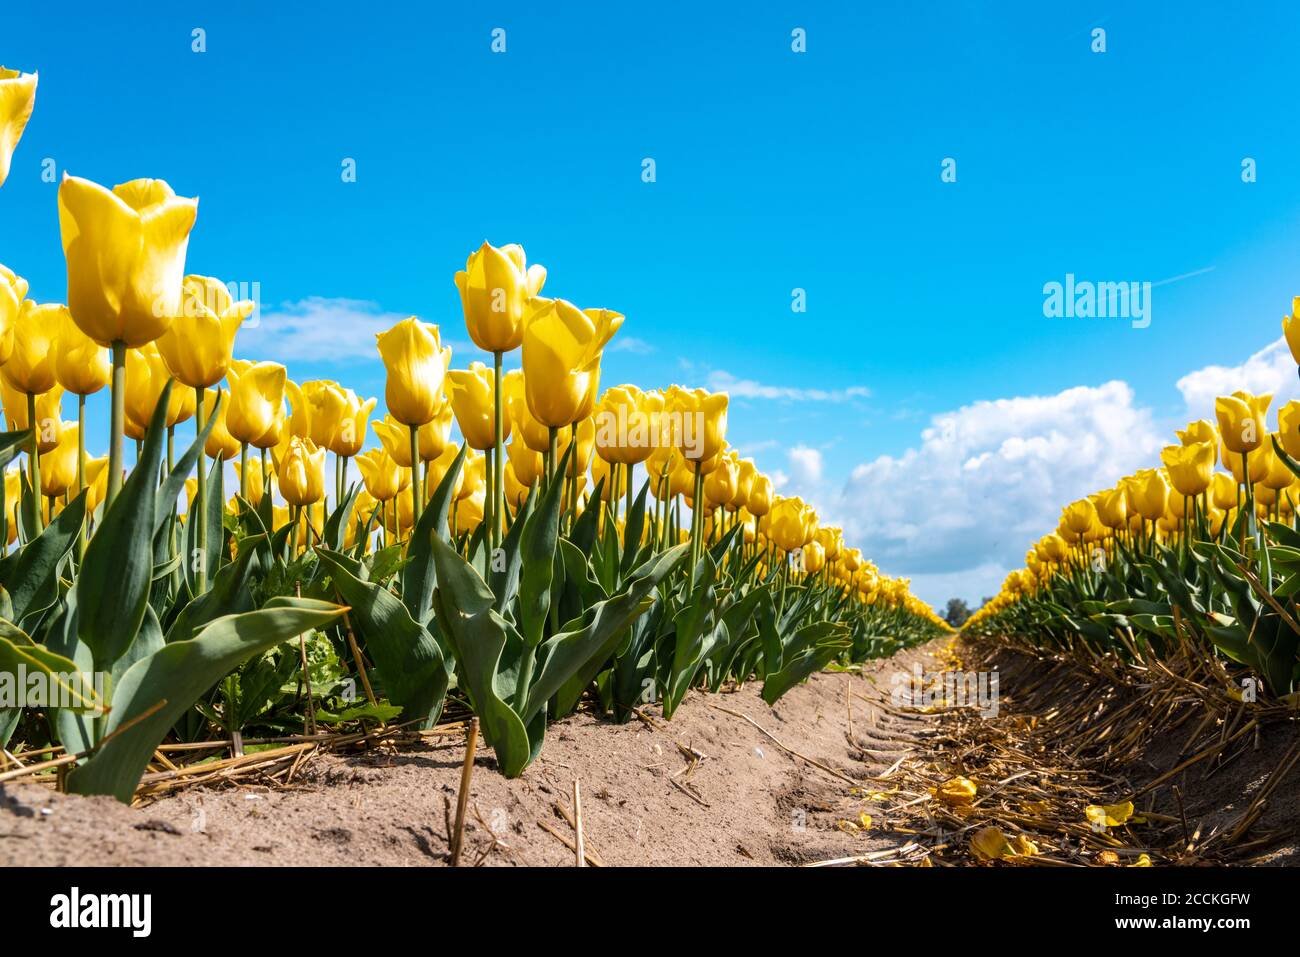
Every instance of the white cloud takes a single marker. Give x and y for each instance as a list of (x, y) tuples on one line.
[(637, 347), (806, 464), (722, 381), (958, 511), (319, 329), (1271, 369)]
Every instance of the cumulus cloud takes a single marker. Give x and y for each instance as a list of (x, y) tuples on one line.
[(958, 511), (1271, 369), (319, 329), (722, 381)]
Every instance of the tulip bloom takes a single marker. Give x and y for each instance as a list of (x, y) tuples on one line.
[(787, 524), (562, 350), (395, 439), (1151, 493), (1112, 508), (59, 465), (760, 498), (384, 479), (13, 291), (256, 401), (17, 99), (197, 345), (416, 364), (301, 471), (1241, 420), (435, 435), (354, 420), (30, 367), (220, 444), (495, 287), (470, 392), (1290, 327), (1191, 467)]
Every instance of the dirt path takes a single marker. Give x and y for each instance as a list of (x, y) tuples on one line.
[(746, 801)]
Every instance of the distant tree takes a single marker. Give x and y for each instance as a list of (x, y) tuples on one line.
[(957, 612)]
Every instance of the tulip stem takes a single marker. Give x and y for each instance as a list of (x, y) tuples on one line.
[(34, 462), (243, 471), (201, 573), (416, 493), (116, 416), (551, 454), (498, 462), (697, 520)]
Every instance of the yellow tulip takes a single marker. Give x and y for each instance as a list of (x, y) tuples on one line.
[(198, 344), (59, 465), (495, 287), (395, 438), (761, 494), (1288, 428), (516, 491), (384, 478), (562, 350), (703, 423), (13, 496), (438, 468), (220, 444), (601, 475), (1151, 494), (1112, 508), (13, 291), (256, 402), (416, 364), (720, 484), (96, 482), (1224, 492), (30, 367), (255, 481), (81, 365), (1080, 515), (1259, 462), (586, 431), (49, 414), (470, 392), (788, 524), (301, 471), (1277, 476), (1190, 466), (125, 249), (831, 540), (1241, 420), (17, 98), (744, 482), (814, 558), (624, 430), (1290, 326), (353, 424), (526, 464), (1199, 431)]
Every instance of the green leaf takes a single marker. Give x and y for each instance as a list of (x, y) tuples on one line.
[(811, 649), (537, 546), (18, 651), (32, 578), (173, 484), (157, 690), (409, 661), (418, 578), (478, 635), (117, 571)]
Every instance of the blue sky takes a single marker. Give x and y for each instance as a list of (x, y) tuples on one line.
[(775, 171)]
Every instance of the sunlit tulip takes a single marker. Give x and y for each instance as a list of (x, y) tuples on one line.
[(301, 471), (13, 291), (438, 468), (125, 249), (1259, 462), (495, 287), (1277, 476), (254, 481), (831, 540), (527, 465), (1288, 428), (59, 465), (96, 476), (535, 434), (703, 423), (1079, 516), (384, 479), (562, 348), (761, 494), (473, 476), (1200, 431), (814, 558), (17, 99), (351, 434), (720, 483), (1190, 466), (30, 367), (13, 495), (395, 438), (1112, 508), (256, 402), (788, 524), (516, 491), (416, 363), (1290, 328), (48, 413), (470, 393), (1151, 493), (81, 365), (1241, 420), (745, 477), (623, 427), (220, 444), (1223, 491), (197, 345)]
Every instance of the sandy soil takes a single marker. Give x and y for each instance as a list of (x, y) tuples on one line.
[(747, 802)]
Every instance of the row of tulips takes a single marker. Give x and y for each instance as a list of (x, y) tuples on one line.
[(523, 569), (1185, 552)]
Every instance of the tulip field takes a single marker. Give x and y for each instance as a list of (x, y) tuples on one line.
[(271, 556)]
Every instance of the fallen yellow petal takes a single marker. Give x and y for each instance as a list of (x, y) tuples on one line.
[(956, 791), (1143, 860), (1109, 815)]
